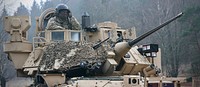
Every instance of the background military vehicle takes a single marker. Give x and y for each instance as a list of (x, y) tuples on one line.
[(101, 55)]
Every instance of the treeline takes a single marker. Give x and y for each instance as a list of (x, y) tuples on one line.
[(179, 41)]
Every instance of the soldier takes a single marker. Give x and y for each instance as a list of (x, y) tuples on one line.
[(120, 38), (63, 19)]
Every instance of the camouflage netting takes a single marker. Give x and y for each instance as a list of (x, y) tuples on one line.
[(64, 55)]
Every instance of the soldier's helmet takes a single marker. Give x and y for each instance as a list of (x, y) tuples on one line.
[(61, 7)]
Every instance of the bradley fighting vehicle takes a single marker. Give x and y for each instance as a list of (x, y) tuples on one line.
[(96, 56)]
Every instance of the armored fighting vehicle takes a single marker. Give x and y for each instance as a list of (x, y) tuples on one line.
[(103, 55)]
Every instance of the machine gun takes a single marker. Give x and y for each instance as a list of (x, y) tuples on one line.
[(99, 44)]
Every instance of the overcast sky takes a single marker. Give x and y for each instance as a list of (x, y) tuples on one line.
[(11, 5)]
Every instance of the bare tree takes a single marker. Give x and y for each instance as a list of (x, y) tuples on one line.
[(2, 39)]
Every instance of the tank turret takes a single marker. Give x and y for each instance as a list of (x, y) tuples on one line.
[(126, 59), (122, 48)]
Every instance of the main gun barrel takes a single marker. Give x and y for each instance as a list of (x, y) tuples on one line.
[(133, 42), (122, 48)]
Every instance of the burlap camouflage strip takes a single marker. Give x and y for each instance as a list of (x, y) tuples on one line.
[(69, 54)]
